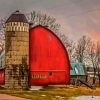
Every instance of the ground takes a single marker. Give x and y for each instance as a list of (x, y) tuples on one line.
[(8, 97), (52, 93)]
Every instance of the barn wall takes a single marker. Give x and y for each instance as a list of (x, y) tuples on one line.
[(47, 53)]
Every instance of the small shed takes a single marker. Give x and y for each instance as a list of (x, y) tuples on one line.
[(77, 72)]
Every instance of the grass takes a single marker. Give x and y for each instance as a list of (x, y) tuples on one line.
[(52, 93)]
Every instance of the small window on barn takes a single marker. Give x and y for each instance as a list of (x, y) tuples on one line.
[(50, 73), (35, 76), (43, 76)]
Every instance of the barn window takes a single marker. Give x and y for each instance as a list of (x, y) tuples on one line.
[(50, 73), (35, 76), (43, 76)]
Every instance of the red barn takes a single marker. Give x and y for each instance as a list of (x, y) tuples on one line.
[(2, 77), (48, 58)]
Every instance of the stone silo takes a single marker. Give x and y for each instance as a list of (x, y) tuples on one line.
[(16, 51)]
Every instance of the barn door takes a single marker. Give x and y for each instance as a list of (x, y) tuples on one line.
[(50, 77)]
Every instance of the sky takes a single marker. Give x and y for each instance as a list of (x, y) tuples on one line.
[(76, 17)]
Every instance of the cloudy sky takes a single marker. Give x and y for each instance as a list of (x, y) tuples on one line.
[(76, 17)]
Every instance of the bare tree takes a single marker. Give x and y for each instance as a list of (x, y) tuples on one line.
[(71, 51), (36, 18), (98, 59), (94, 57), (64, 39), (2, 37), (81, 47), (69, 45)]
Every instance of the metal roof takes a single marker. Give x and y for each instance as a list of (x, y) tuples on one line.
[(77, 69), (17, 17)]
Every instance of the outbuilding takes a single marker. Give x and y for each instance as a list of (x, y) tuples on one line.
[(77, 72)]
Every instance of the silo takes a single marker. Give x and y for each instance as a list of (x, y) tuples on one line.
[(16, 51)]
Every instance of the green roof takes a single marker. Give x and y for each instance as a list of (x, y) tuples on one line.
[(77, 69)]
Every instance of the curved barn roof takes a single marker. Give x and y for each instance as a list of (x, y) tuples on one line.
[(48, 44), (17, 16)]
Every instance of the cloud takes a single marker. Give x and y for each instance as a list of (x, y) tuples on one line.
[(95, 36), (76, 17)]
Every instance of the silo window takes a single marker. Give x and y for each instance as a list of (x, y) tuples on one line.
[(43, 76), (35, 76), (15, 28), (21, 24), (15, 23), (12, 29)]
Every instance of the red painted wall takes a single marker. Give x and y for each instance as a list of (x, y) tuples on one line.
[(47, 56), (2, 77)]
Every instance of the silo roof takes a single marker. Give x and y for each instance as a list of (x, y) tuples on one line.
[(17, 16)]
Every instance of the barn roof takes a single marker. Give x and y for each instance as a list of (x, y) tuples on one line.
[(17, 16), (47, 30), (77, 69)]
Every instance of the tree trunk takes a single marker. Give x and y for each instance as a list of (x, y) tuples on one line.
[(94, 76)]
